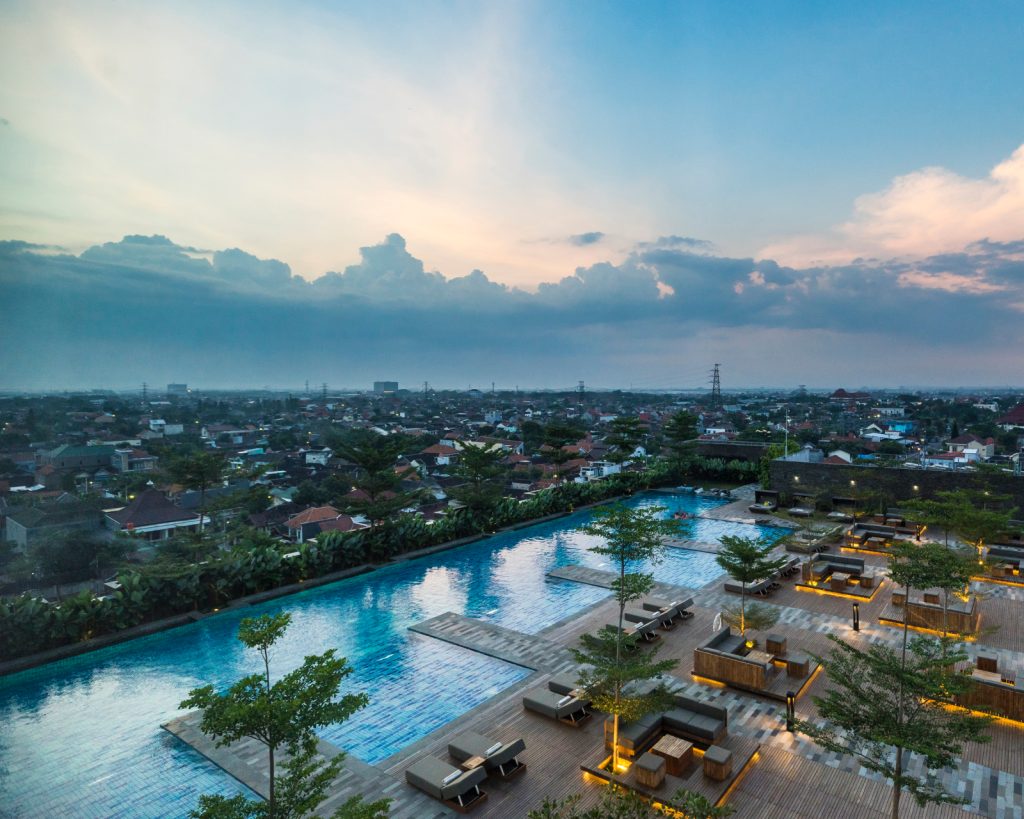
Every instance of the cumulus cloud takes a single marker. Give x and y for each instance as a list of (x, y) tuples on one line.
[(145, 308), (931, 210)]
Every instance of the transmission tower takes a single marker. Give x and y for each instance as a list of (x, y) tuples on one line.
[(581, 391), (145, 392), (716, 388), (323, 393)]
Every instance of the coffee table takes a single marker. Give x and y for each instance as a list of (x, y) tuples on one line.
[(472, 762), (677, 753)]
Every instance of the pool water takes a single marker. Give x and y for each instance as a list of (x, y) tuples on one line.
[(82, 738)]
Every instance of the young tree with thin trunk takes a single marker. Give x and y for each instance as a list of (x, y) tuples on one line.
[(282, 715), (747, 560), (629, 537), (883, 706)]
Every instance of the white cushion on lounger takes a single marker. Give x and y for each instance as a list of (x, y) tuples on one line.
[(493, 749), (566, 699), (451, 777)]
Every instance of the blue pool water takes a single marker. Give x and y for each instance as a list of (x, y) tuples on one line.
[(81, 737)]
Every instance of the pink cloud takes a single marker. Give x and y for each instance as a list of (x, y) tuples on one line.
[(923, 213)]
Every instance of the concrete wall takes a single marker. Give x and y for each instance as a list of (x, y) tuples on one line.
[(732, 450), (896, 483)]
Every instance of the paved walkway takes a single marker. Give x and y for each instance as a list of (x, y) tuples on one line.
[(604, 580), (527, 650)]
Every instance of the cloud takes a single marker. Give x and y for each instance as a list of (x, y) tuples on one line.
[(146, 308), (923, 213), (583, 239)]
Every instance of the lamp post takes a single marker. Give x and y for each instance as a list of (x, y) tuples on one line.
[(790, 711), (856, 616)]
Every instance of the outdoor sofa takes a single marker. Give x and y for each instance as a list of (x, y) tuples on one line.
[(717, 659), (500, 758), (689, 718), (458, 789), (826, 564)]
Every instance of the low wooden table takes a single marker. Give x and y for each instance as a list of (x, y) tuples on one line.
[(472, 762), (677, 753), (867, 581), (839, 581), (759, 656), (797, 665), (775, 644)]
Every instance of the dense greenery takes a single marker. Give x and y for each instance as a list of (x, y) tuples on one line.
[(283, 716), (619, 803), (257, 563)]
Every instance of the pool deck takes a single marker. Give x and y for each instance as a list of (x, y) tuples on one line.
[(790, 777)]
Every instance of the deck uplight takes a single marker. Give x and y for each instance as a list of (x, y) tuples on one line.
[(790, 711), (856, 616)]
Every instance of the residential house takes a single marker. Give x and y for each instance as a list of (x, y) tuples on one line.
[(1014, 419), (133, 460), (984, 448), (27, 524), (153, 517)]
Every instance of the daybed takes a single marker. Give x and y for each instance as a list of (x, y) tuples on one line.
[(563, 707), (458, 789), (500, 758)]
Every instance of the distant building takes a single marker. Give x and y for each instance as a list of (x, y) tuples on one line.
[(385, 386), (179, 390)]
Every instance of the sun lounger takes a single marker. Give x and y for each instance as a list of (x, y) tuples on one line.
[(500, 758), (458, 789), (673, 608), (563, 707), (644, 616), (647, 632), (761, 587)]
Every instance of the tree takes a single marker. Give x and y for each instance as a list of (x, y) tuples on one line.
[(932, 565), (754, 616), (625, 436), (965, 512), (619, 803), (680, 431), (481, 469), (628, 537), (882, 706), (200, 471), (70, 555), (379, 493), (747, 560), (281, 715)]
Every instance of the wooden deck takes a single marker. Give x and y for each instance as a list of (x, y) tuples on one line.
[(789, 777), (744, 755)]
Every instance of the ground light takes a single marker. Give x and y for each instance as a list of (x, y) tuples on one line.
[(790, 711), (856, 616)]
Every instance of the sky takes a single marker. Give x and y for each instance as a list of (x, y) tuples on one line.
[(527, 193)]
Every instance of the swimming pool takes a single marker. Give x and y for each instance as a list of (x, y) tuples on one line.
[(81, 737)]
